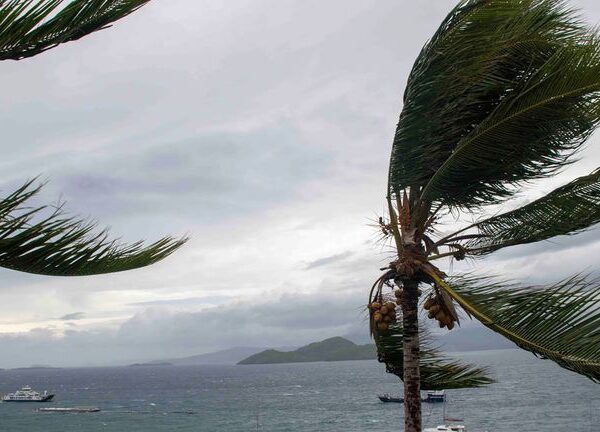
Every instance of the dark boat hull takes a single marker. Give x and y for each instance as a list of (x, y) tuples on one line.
[(390, 399), (434, 399), (44, 399)]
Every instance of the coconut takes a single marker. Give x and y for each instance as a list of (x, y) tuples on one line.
[(441, 316), (384, 310), (391, 306), (398, 293), (382, 326), (449, 320), (434, 309), (429, 302), (430, 315), (387, 319), (375, 306), (377, 317)]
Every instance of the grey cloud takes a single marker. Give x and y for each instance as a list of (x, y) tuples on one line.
[(329, 260), (291, 318), (155, 333), (73, 316), (205, 178), (187, 301)]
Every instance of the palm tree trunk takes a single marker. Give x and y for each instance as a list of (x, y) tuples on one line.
[(412, 381)]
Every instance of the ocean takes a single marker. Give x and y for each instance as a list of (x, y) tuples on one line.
[(531, 395)]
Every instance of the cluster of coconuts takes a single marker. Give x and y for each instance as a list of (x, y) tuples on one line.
[(383, 315), (436, 309)]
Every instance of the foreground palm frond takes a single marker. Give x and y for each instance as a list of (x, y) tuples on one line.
[(567, 210), (437, 371), (505, 91), (29, 27), (560, 322), (57, 245)]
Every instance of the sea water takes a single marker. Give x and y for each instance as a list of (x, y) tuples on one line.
[(531, 395)]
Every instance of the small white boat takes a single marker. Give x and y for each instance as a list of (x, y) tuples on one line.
[(447, 428), (450, 424)]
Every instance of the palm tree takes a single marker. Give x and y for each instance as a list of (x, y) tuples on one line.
[(505, 92), (44, 240)]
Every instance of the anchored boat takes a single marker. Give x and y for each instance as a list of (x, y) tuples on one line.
[(432, 397), (435, 396), (26, 394), (387, 398), (448, 428), (450, 424), (71, 410)]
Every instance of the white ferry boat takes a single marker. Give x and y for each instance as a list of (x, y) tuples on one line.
[(26, 394)]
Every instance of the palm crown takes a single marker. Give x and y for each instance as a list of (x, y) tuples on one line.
[(505, 92), (44, 240)]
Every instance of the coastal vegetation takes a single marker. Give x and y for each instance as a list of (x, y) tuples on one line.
[(44, 239), (505, 92)]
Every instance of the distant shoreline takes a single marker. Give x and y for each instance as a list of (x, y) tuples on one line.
[(150, 364)]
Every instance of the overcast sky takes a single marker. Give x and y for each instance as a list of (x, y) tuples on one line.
[(262, 129)]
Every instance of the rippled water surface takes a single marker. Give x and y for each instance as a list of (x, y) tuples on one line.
[(531, 395)]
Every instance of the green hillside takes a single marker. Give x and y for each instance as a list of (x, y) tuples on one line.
[(332, 349)]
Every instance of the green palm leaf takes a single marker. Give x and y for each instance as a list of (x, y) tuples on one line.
[(57, 245), (29, 27), (566, 210), (437, 371), (560, 322), (504, 92)]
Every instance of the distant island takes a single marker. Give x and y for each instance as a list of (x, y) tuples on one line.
[(332, 349), (226, 356), (34, 367), (151, 364)]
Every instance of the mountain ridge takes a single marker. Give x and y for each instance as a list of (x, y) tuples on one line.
[(332, 349)]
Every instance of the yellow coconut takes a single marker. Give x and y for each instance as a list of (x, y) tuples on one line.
[(377, 317), (375, 306)]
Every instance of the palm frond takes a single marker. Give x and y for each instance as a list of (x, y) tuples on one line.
[(30, 27), (437, 371), (567, 210), (53, 244), (559, 322), (505, 91)]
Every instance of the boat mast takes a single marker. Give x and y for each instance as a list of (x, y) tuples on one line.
[(444, 409)]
